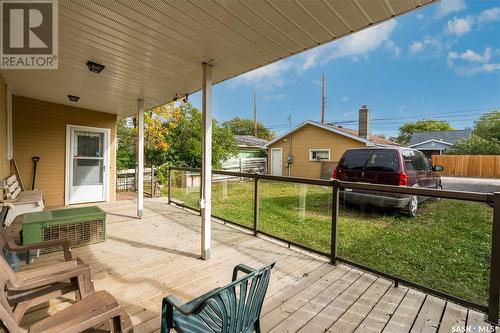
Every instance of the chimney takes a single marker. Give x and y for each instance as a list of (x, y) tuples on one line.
[(364, 123)]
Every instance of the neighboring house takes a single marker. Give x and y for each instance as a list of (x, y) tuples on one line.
[(312, 149), (436, 142), (251, 155), (249, 146)]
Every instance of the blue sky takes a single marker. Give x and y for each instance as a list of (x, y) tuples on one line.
[(440, 62)]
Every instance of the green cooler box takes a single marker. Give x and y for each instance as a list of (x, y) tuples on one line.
[(80, 226)]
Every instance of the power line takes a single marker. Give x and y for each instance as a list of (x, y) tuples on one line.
[(455, 116)]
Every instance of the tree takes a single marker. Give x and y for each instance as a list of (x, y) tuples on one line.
[(158, 123), (485, 138), (241, 126), (488, 125), (172, 135), (475, 145), (407, 129), (125, 153), (185, 140)]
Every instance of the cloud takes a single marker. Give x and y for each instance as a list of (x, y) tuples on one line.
[(416, 47), (431, 45), (353, 46), (459, 26), (278, 97), (345, 99), (471, 56), (266, 77), (484, 68), (489, 15), (391, 46), (447, 7), (470, 62), (317, 82)]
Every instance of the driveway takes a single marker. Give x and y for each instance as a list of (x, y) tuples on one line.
[(484, 185)]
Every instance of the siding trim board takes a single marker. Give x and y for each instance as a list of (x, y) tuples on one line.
[(299, 143), (416, 145), (328, 128)]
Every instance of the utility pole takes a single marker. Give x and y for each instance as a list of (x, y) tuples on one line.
[(323, 100), (254, 115)]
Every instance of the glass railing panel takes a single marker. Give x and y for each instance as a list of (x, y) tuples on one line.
[(299, 213), (185, 188), (446, 246), (232, 199)]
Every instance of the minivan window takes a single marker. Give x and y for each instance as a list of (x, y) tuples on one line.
[(383, 160), (354, 159), (428, 163), (409, 160), (420, 161)]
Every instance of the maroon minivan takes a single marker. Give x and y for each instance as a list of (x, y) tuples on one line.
[(389, 166)]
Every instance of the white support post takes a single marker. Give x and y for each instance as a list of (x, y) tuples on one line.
[(140, 158), (206, 164)]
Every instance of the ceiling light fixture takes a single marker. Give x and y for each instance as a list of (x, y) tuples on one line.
[(73, 98), (95, 67)]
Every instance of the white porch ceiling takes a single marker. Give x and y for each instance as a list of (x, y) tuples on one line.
[(153, 49)]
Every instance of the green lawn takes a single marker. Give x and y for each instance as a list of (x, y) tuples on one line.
[(446, 247)]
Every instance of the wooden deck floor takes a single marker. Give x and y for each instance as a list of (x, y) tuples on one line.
[(144, 260)]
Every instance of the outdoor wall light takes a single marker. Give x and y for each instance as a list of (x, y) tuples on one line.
[(95, 67), (73, 98)]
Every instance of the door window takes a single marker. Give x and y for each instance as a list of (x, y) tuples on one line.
[(88, 144), (87, 172), (88, 158)]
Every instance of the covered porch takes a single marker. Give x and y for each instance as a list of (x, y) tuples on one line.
[(159, 52), (140, 263)]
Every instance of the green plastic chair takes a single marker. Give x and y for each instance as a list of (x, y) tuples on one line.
[(234, 308)]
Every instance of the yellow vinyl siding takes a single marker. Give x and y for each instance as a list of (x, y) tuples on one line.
[(4, 163), (40, 130), (312, 137)]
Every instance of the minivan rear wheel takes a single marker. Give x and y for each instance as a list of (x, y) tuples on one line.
[(412, 208)]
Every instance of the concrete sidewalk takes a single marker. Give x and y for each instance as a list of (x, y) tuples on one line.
[(484, 185)]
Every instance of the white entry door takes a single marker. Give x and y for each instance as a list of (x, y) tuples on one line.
[(276, 158), (87, 164)]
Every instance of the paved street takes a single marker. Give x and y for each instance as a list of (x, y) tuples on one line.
[(471, 184)]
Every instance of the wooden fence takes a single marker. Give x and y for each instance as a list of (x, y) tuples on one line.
[(483, 166)]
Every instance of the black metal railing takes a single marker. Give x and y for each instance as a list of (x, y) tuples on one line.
[(492, 199)]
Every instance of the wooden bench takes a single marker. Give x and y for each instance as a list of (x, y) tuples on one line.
[(22, 201)]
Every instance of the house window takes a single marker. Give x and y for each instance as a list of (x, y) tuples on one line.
[(319, 154)]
